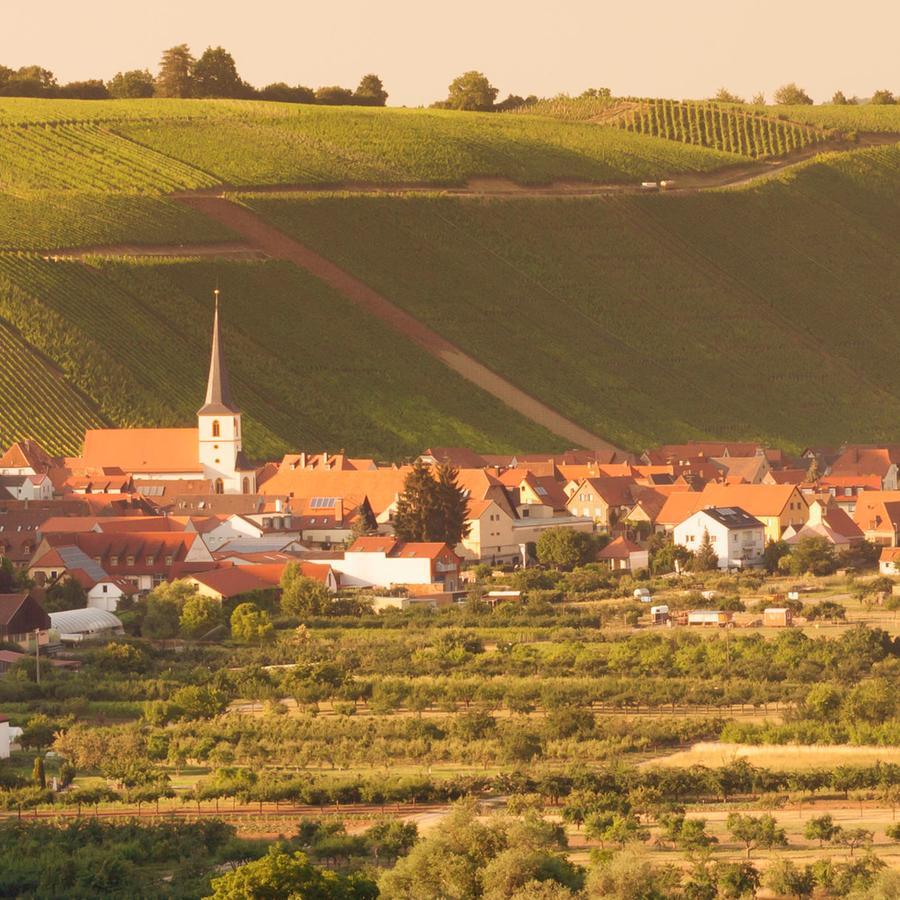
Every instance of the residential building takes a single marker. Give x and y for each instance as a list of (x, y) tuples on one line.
[(22, 620), (625, 555), (738, 538), (387, 562), (877, 513)]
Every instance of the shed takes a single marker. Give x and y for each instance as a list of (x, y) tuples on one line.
[(659, 615), (20, 617), (708, 617), (777, 617)]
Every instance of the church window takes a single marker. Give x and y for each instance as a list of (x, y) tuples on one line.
[(216, 430), (220, 486)]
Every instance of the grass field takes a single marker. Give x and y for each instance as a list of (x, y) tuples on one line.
[(655, 318), (308, 368)]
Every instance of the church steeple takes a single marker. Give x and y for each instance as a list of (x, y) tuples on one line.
[(218, 391)]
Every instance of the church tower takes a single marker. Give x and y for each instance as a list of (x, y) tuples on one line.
[(219, 427)]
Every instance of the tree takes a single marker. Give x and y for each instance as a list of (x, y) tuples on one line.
[(162, 616), (853, 838), (175, 72), (365, 522), (92, 89), (826, 609), (300, 595), (200, 615), (37, 773), (471, 91), (839, 100), (791, 95), (134, 84), (564, 548), (67, 593), (334, 95), (623, 829), (883, 98), (821, 829), (773, 554), (736, 880), (758, 99), (417, 517), (370, 91), (753, 831), (453, 505), (822, 702), (215, 75), (7, 575), (723, 95), (250, 625), (810, 554), (284, 93), (280, 874), (705, 559)]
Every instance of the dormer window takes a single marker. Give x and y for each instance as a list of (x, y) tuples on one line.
[(129, 561), (169, 560), (114, 560), (216, 428), (150, 560)]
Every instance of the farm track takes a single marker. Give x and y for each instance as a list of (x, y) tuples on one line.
[(277, 245), (225, 250), (733, 176)]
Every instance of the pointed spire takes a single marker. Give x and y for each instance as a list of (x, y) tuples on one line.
[(218, 392)]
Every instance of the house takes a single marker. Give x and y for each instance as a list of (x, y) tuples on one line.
[(877, 513), (625, 555), (26, 457), (604, 500), (829, 521), (490, 538), (74, 626), (889, 561), (458, 457), (777, 506), (668, 453), (108, 593), (387, 562), (5, 739), (859, 460), (22, 619), (743, 469), (212, 451), (145, 559), (228, 583), (738, 538), (27, 487)]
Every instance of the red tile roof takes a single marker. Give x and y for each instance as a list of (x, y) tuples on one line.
[(140, 450)]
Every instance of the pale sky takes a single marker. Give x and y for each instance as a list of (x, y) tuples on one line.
[(650, 48)]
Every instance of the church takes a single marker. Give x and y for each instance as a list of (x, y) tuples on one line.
[(212, 451)]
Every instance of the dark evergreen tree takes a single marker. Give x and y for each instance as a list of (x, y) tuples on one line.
[(175, 78), (706, 557), (418, 516), (453, 503)]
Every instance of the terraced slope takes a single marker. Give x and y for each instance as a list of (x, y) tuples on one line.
[(767, 312), (38, 400), (308, 368)]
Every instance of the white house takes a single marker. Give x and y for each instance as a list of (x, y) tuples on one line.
[(4, 737), (738, 539), (27, 487), (385, 562), (109, 592)]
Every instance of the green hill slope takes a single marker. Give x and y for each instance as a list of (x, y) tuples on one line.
[(764, 312), (308, 368)]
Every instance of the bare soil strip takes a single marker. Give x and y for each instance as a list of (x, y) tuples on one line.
[(274, 243), (227, 249)]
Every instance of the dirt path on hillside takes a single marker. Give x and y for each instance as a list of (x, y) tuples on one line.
[(225, 250), (277, 245), (732, 176)]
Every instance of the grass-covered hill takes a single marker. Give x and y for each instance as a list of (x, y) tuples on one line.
[(766, 311), (769, 311)]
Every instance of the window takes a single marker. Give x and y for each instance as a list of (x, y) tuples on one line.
[(216, 428), (245, 485), (150, 560), (219, 485), (114, 560), (129, 561), (105, 588), (169, 560)]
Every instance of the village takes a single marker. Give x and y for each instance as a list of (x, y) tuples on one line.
[(141, 508)]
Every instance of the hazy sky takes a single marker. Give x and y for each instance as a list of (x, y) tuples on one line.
[(649, 48)]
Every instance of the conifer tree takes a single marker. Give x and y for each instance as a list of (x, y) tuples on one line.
[(37, 773), (418, 508), (453, 504), (706, 557), (175, 72)]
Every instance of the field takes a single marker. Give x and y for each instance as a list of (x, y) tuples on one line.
[(308, 368), (727, 128), (651, 310)]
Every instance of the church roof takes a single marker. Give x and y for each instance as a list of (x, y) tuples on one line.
[(218, 390), (140, 450)]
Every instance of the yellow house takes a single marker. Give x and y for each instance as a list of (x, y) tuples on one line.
[(775, 505)]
